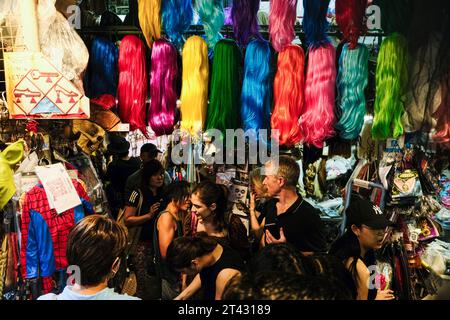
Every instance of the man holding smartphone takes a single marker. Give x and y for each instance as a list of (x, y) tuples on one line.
[(287, 217)]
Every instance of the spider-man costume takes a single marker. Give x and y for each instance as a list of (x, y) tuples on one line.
[(45, 234)]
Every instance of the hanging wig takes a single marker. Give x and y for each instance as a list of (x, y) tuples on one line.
[(318, 119), (102, 68), (315, 22), (245, 20), (289, 95), (423, 96), (176, 18), (352, 80), (194, 92), (163, 95), (395, 15), (212, 17), (429, 48), (391, 80), (257, 86), (442, 115), (350, 19), (223, 110), (281, 23), (150, 19), (132, 89)]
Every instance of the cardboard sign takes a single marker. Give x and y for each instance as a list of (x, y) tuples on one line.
[(36, 89)]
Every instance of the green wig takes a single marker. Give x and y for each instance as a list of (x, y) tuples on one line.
[(391, 81), (224, 102)]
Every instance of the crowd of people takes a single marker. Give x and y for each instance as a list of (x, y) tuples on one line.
[(184, 242)]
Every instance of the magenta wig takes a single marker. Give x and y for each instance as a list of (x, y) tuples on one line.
[(132, 89), (244, 15), (318, 119), (163, 95), (282, 19), (350, 19)]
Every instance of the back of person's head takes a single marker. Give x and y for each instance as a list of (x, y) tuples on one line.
[(288, 169), (332, 267), (150, 169), (281, 257), (94, 244), (149, 151), (284, 286), (211, 193), (177, 191), (184, 250)]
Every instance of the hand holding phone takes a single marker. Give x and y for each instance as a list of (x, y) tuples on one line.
[(274, 230)]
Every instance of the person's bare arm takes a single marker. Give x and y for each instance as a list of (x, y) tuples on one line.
[(222, 279), (191, 289), (166, 232), (131, 220), (255, 226)]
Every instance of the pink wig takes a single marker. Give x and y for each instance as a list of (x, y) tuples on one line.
[(163, 95), (132, 89), (318, 120), (350, 19), (289, 95), (282, 19)]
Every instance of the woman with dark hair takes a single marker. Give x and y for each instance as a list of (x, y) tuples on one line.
[(168, 227), (210, 206), (212, 263), (96, 245), (141, 210), (365, 232)]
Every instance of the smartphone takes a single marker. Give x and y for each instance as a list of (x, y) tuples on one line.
[(274, 229)]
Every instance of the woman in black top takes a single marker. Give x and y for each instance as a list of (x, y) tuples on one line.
[(210, 206), (355, 248), (168, 227), (144, 217), (213, 263)]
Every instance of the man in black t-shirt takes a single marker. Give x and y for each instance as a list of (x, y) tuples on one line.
[(288, 218)]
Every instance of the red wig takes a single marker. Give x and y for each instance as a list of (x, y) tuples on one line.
[(132, 89), (350, 19)]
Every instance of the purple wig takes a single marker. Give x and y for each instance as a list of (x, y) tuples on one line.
[(244, 14), (163, 93)]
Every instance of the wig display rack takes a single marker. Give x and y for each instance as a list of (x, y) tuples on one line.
[(120, 31)]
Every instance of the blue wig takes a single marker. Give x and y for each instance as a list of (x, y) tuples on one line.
[(256, 94), (315, 22), (103, 72), (352, 80), (176, 19)]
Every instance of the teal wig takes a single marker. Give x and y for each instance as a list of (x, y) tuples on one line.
[(352, 80)]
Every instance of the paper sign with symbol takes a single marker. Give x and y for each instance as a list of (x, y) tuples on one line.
[(36, 89)]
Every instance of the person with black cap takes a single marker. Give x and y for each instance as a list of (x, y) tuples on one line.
[(366, 225), (148, 152), (121, 167)]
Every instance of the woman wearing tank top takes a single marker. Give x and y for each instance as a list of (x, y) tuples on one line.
[(214, 264), (169, 226)]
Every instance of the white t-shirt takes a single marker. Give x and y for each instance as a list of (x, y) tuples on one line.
[(105, 294)]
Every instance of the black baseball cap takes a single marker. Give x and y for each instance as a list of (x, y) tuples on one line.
[(150, 148), (362, 211)]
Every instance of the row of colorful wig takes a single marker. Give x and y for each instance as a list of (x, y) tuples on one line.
[(310, 100)]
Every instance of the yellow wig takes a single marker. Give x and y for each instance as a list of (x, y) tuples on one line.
[(194, 92), (150, 19)]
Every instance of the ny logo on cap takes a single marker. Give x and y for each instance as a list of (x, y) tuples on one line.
[(377, 210)]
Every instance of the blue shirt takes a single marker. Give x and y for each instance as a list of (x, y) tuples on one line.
[(105, 294)]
